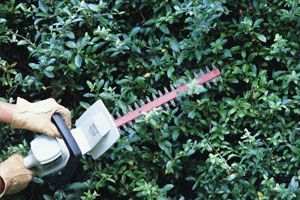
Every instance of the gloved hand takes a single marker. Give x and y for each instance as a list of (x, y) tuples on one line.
[(14, 174), (37, 116)]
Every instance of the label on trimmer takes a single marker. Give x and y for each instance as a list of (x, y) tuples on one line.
[(88, 134)]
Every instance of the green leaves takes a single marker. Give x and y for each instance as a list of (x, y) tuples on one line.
[(261, 37), (49, 71), (231, 177), (174, 45), (134, 31), (170, 71), (43, 6), (71, 44), (70, 35), (166, 147), (2, 20), (164, 29), (78, 60), (228, 140), (93, 7), (258, 22)]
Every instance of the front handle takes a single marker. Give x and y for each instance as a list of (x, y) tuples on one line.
[(75, 154)]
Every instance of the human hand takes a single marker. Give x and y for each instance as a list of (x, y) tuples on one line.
[(37, 116), (14, 175)]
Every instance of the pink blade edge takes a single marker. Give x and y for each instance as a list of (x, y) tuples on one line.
[(163, 99)]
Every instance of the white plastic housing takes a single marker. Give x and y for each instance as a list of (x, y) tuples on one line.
[(47, 154)]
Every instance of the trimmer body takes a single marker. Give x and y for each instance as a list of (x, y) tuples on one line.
[(55, 158)]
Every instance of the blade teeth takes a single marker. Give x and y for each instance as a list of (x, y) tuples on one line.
[(214, 81), (220, 79), (120, 130), (124, 126), (136, 105), (172, 87), (154, 96), (130, 108), (179, 99), (201, 73), (160, 93), (130, 124), (142, 102), (167, 105), (124, 111), (148, 99), (208, 85), (207, 69), (118, 114), (173, 103), (166, 90), (195, 74)]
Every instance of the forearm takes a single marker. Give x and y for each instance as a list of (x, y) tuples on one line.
[(6, 112)]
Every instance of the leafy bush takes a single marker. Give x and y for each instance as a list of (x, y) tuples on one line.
[(238, 140)]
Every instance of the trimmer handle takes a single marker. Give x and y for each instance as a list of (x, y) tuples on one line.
[(75, 154)]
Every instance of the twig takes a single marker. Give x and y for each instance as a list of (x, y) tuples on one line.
[(25, 39)]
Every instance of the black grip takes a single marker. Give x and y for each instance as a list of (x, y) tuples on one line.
[(75, 154)]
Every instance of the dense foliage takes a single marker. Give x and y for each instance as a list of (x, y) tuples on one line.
[(237, 140)]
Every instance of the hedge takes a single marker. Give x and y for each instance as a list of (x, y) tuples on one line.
[(236, 140)]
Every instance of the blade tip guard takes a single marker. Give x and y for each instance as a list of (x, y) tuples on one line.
[(98, 117)]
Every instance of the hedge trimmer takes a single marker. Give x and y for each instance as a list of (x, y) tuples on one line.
[(96, 131)]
